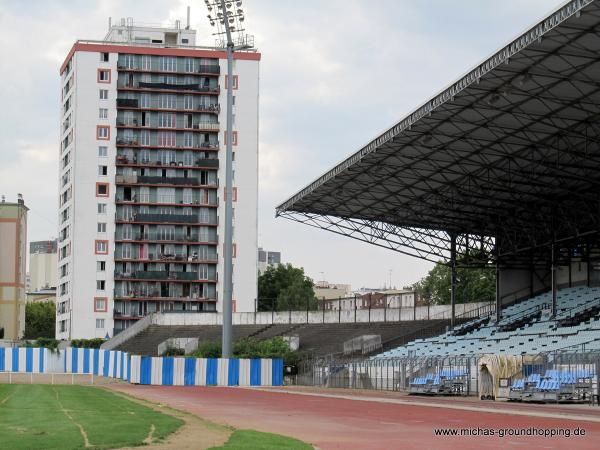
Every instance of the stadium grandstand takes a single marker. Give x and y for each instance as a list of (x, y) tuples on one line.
[(501, 169)]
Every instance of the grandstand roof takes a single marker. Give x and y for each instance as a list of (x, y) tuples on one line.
[(507, 154)]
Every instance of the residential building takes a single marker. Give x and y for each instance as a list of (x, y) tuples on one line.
[(13, 256), (42, 265), (325, 291), (43, 295), (142, 179), (267, 258)]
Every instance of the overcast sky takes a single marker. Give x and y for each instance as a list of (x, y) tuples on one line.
[(333, 74)]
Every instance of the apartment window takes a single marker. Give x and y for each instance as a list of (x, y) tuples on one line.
[(129, 61), (168, 101), (101, 208), (103, 113), (188, 140), (146, 62), (101, 189), (101, 247), (145, 101), (234, 140), (102, 170), (103, 75), (100, 266), (166, 120), (100, 323), (168, 63), (103, 132), (188, 102), (235, 81), (100, 304), (101, 227), (103, 94), (100, 285), (166, 138), (102, 151), (145, 137), (189, 64), (104, 57)]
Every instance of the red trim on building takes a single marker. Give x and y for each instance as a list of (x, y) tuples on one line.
[(96, 242), (235, 82), (233, 194), (109, 76), (195, 53), (107, 185), (98, 127), (233, 250), (233, 305), (235, 138), (105, 304)]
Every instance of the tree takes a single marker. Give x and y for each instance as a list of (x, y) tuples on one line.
[(285, 287), (40, 320), (473, 285)]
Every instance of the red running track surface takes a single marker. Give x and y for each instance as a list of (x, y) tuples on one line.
[(337, 423)]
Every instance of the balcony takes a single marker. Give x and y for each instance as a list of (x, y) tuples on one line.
[(171, 181), (135, 142), (128, 102), (197, 87), (170, 258), (171, 238), (213, 69), (164, 218), (200, 162), (158, 275), (156, 295)]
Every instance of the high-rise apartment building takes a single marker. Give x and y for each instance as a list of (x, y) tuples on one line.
[(42, 265), (13, 255), (142, 179)]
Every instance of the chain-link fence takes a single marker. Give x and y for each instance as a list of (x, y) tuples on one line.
[(545, 377)]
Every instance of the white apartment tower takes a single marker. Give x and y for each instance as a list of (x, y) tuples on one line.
[(142, 170)]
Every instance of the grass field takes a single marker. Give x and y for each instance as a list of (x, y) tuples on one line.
[(249, 439), (70, 417)]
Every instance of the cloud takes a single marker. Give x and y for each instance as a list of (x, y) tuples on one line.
[(333, 74)]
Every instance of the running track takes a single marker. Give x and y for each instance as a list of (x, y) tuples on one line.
[(343, 423)]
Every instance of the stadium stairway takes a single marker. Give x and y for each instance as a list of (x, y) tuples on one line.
[(525, 328), (317, 339)]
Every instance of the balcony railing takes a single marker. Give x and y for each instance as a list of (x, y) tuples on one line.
[(205, 68), (199, 162), (160, 258), (179, 105), (175, 87), (144, 179), (158, 275), (176, 237), (135, 142), (166, 218)]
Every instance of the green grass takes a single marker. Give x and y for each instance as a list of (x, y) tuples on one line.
[(255, 440), (35, 417)]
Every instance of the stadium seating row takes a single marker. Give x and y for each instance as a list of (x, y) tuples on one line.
[(525, 328)]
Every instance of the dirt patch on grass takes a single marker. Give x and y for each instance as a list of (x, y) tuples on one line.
[(194, 434)]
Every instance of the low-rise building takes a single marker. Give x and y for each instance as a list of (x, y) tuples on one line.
[(13, 254)]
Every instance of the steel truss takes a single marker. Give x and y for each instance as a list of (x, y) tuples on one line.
[(506, 160)]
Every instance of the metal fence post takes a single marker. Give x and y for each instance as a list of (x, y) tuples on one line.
[(339, 309), (385, 308), (323, 309), (307, 308), (370, 300), (354, 308)]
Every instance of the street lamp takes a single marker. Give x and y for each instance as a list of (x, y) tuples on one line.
[(228, 17)]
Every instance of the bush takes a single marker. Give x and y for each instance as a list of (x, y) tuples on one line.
[(51, 344), (87, 343), (173, 351), (250, 348), (207, 349)]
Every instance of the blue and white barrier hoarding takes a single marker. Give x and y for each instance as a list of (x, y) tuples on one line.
[(160, 371)]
